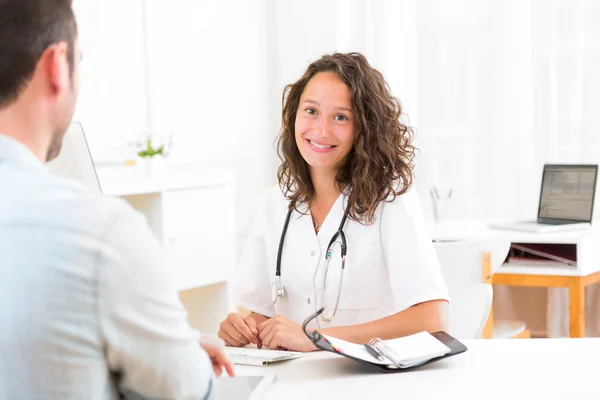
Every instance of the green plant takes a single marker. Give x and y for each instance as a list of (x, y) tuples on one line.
[(150, 151)]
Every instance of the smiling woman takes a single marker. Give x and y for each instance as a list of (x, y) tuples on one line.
[(341, 114), (357, 243)]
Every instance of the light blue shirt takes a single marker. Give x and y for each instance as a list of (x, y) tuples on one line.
[(87, 310)]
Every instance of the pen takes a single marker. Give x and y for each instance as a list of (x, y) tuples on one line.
[(373, 352)]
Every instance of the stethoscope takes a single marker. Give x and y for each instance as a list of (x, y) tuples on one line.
[(277, 290)]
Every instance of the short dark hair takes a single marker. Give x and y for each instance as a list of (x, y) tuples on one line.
[(379, 166), (27, 28)]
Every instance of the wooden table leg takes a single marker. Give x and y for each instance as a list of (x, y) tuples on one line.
[(486, 264), (489, 325), (576, 308)]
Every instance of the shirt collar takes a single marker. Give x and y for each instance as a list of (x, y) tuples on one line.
[(14, 151)]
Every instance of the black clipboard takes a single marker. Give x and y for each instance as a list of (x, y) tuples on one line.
[(319, 341)]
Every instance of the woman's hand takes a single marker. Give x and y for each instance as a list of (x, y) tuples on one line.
[(279, 332), (239, 331)]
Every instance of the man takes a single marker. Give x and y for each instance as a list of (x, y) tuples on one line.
[(87, 310)]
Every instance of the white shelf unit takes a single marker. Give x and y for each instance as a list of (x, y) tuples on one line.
[(586, 243), (191, 213)]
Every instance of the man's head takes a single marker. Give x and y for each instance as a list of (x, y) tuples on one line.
[(38, 72)]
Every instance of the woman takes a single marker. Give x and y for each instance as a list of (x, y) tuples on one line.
[(346, 166)]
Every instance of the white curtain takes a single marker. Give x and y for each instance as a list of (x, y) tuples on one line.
[(501, 87)]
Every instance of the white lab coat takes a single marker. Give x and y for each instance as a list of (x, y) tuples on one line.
[(390, 265)]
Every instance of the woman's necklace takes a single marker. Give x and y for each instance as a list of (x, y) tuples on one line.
[(316, 224)]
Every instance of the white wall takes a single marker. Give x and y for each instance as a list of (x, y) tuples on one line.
[(112, 99)]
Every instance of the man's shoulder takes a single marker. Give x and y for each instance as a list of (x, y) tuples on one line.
[(50, 201), (107, 206), (102, 210)]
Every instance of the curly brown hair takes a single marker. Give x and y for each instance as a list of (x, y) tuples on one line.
[(380, 163)]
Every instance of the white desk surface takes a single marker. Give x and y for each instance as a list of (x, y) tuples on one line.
[(552, 237), (454, 230), (550, 269), (490, 369), (463, 229)]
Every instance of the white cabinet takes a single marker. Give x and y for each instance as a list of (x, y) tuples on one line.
[(197, 235), (190, 212)]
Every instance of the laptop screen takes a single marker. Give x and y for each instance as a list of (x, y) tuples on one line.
[(74, 160), (567, 193)]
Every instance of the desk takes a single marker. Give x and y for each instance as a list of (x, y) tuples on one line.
[(491, 369), (522, 276), (575, 278)]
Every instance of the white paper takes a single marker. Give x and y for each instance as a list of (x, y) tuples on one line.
[(411, 350), (353, 349), (418, 347)]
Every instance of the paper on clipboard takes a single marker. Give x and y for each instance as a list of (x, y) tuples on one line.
[(412, 350)]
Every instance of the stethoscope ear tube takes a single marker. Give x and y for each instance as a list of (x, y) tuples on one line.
[(315, 334), (281, 240), (277, 291)]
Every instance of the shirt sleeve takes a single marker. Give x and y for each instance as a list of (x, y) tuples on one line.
[(414, 271), (252, 284), (148, 342)]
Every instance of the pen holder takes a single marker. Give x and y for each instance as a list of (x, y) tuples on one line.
[(440, 201)]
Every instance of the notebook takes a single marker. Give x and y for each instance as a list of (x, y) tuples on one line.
[(404, 352), (255, 356), (395, 355)]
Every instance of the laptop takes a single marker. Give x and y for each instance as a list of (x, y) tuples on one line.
[(75, 160), (566, 200)]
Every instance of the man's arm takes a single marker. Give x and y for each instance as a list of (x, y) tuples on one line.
[(148, 341)]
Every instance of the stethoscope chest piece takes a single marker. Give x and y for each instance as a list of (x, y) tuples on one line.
[(277, 291)]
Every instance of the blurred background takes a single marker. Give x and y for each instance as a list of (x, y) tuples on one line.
[(493, 89)]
